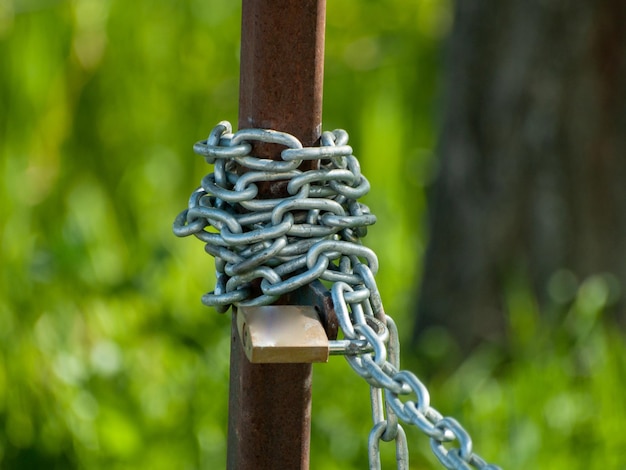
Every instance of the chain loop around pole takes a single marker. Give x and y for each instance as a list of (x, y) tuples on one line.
[(313, 232)]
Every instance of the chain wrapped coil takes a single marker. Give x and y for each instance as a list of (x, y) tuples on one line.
[(266, 248)]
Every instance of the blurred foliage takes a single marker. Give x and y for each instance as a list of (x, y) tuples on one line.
[(107, 357)]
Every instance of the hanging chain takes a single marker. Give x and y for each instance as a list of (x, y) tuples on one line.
[(313, 233)]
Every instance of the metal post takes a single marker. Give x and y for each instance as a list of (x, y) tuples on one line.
[(282, 49)]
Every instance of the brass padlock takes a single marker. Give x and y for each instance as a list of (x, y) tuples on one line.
[(282, 334)]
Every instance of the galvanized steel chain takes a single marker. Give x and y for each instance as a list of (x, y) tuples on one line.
[(314, 232)]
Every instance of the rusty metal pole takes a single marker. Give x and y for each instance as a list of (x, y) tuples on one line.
[(282, 51)]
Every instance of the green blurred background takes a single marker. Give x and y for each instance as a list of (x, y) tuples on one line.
[(107, 357)]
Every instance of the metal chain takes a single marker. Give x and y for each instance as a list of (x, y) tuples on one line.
[(313, 233)]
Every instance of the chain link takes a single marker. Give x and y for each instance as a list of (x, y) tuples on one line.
[(314, 233)]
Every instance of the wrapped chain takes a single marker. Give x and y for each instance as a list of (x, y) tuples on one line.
[(313, 233)]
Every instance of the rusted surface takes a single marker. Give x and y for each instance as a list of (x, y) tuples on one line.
[(282, 50), (269, 412), (282, 57)]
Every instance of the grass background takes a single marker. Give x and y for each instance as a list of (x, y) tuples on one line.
[(107, 357)]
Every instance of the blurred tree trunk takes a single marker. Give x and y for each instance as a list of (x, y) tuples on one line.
[(532, 158)]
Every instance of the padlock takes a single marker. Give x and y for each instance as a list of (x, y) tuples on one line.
[(282, 334)]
